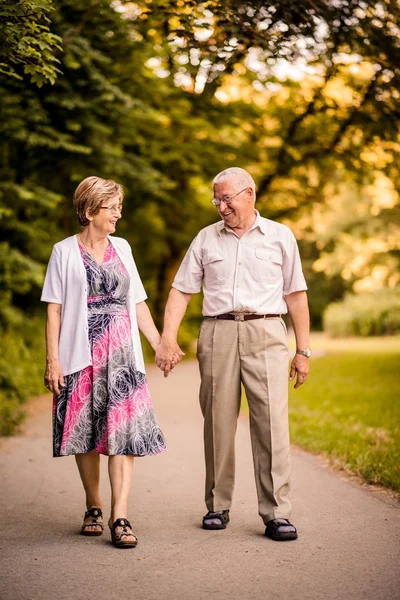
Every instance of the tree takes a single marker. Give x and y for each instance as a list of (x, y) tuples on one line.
[(27, 45), (162, 95)]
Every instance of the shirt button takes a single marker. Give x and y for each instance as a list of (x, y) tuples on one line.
[(240, 263)]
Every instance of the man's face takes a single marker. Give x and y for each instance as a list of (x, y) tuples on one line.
[(241, 207)]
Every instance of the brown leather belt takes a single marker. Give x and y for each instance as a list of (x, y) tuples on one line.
[(241, 317)]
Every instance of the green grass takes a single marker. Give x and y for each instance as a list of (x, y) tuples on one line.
[(379, 344), (349, 409)]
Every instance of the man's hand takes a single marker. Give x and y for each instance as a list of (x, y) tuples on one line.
[(300, 366), (168, 354)]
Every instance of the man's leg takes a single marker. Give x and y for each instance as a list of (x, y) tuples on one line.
[(220, 394), (264, 368)]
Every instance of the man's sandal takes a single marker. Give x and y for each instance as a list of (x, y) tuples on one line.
[(123, 538), (280, 530), (88, 528), (221, 516)]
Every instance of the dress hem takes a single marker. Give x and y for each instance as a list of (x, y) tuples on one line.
[(118, 454)]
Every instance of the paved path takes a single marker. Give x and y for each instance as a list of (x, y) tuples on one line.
[(349, 535)]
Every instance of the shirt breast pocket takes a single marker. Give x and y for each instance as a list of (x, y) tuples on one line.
[(267, 265), (215, 269)]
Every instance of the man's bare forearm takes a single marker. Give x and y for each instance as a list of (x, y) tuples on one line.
[(168, 352), (300, 317), (175, 310)]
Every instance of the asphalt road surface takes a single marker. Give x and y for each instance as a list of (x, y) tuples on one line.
[(349, 535)]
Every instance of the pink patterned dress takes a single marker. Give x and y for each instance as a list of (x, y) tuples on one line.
[(107, 406)]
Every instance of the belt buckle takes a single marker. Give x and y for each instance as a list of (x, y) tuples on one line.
[(239, 317)]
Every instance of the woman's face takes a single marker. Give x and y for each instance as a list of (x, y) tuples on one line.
[(104, 222)]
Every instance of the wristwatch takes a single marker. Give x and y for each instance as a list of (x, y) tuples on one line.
[(307, 352)]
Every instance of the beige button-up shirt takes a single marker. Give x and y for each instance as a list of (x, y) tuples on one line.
[(250, 274)]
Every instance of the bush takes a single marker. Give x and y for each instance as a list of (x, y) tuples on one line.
[(376, 313), (22, 365)]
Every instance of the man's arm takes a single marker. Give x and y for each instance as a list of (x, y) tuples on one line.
[(300, 318), (174, 312)]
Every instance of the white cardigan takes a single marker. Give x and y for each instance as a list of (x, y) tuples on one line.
[(65, 284)]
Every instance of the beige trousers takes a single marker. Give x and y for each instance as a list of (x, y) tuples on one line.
[(253, 353)]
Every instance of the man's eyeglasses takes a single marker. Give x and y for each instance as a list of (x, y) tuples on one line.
[(113, 209), (226, 199)]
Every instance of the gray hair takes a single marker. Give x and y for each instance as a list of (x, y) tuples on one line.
[(238, 176)]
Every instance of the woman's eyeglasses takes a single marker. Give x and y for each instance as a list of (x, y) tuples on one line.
[(113, 209)]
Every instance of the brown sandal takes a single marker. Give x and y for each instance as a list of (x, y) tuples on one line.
[(116, 536), (96, 514)]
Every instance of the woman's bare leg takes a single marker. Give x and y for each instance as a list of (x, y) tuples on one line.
[(89, 470), (120, 470)]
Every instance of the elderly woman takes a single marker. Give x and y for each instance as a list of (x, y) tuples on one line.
[(95, 367)]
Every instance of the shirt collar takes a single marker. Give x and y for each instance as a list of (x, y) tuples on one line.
[(258, 223)]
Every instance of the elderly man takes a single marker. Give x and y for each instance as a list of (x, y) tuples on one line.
[(251, 273)]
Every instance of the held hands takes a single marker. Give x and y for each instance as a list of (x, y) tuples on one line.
[(300, 366), (53, 377), (168, 354)]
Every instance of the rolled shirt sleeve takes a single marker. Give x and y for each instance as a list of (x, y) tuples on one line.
[(189, 277)]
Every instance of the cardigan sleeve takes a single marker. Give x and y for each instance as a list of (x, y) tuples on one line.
[(138, 289), (52, 288)]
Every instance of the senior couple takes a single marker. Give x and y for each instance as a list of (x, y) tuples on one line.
[(250, 271)]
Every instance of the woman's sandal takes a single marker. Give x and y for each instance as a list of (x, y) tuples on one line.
[(96, 514), (222, 517), (280, 530), (116, 536)]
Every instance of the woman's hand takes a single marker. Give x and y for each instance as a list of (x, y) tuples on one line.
[(53, 377)]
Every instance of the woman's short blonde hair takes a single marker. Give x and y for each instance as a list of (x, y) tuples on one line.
[(91, 193)]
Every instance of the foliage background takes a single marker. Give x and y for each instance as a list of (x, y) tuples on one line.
[(161, 96)]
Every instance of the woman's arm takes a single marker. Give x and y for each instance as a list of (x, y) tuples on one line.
[(53, 377), (146, 324), (149, 330)]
